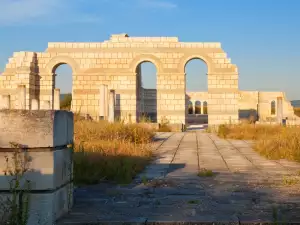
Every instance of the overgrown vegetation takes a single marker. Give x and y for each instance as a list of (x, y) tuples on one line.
[(110, 151), (205, 173), (290, 180), (271, 141), (65, 103), (14, 207), (297, 111), (164, 125)]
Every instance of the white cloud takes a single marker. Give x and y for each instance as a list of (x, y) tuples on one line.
[(16, 12), (157, 4)]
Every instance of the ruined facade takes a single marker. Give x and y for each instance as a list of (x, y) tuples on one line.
[(116, 63)]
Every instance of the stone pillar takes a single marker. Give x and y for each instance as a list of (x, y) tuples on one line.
[(106, 102), (279, 110), (50, 167), (102, 102), (175, 110), (21, 97), (34, 104), (111, 113), (5, 102), (56, 98)]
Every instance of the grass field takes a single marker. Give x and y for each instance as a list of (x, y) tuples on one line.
[(297, 111), (110, 151), (271, 141)]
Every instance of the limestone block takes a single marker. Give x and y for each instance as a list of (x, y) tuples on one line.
[(56, 99), (21, 96), (102, 101), (43, 128), (46, 207), (4, 101), (34, 104), (47, 169), (45, 105)]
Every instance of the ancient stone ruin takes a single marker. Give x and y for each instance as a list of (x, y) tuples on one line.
[(107, 82)]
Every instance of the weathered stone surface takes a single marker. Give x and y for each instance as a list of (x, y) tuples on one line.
[(36, 129), (46, 208), (47, 169), (243, 188), (35, 144)]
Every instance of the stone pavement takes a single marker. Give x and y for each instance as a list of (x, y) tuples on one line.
[(245, 187)]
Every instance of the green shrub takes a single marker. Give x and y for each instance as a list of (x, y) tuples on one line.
[(65, 103)]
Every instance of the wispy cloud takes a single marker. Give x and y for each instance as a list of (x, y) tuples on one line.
[(157, 4), (24, 12), (18, 12)]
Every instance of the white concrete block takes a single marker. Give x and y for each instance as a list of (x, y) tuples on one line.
[(35, 129)]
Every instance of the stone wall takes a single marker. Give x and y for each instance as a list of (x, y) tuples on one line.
[(261, 102), (29, 79), (249, 102), (114, 63), (43, 138)]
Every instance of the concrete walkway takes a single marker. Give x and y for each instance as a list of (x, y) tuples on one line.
[(245, 187)]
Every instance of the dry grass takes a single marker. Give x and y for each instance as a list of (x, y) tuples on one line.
[(164, 125), (297, 111), (271, 141), (247, 131), (164, 128), (105, 151)]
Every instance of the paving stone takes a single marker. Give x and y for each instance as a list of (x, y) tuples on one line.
[(244, 187)]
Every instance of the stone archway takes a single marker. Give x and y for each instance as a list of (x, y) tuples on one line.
[(53, 94), (146, 98), (184, 61), (113, 63), (146, 58), (56, 61)]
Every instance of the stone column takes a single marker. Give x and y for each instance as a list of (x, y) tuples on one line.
[(56, 98), (21, 97), (102, 102), (111, 113), (175, 111), (5, 102), (279, 110), (34, 104), (106, 102)]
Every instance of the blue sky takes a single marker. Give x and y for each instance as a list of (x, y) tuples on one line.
[(261, 36)]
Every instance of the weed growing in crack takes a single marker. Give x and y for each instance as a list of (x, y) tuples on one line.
[(157, 202), (145, 180), (193, 202), (205, 173), (290, 180)]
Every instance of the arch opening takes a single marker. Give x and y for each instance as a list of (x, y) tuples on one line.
[(63, 80), (273, 108), (196, 75), (146, 92), (197, 107), (190, 108), (196, 86)]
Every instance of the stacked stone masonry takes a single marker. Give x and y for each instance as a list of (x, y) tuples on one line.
[(44, 138), (115, 63)]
